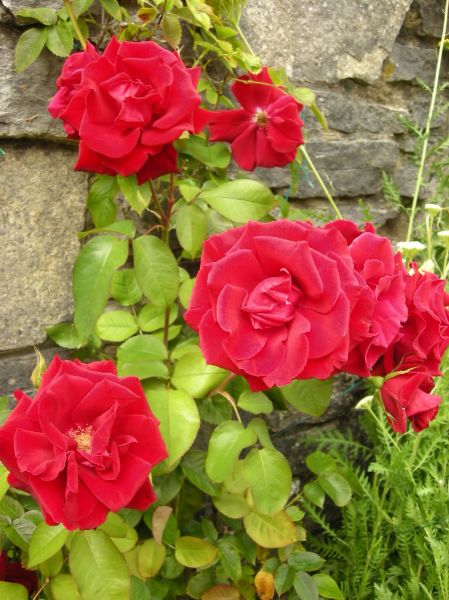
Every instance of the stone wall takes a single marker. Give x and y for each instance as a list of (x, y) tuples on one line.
[(362, 58)]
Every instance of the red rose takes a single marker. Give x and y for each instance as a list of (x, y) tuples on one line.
[(84, 446), (408, 396), (272, 301), (267, 130), (383, 309), (68, 83), (13, 572), (129, 106), (424, 336)]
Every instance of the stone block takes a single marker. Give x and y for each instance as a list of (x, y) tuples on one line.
[(41, 211), (407, 63), (24, 96), (320, 42), (431, 17)]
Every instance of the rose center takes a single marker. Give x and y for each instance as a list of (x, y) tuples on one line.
[(272, 302), (83, 438), (261, 118)]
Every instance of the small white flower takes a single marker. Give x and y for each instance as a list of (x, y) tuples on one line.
[(364, 403), (409, 249), (428, 266), (433, 209)]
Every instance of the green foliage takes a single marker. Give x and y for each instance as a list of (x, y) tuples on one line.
[(393, 537)]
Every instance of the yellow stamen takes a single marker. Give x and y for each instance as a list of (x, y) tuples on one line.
[(83, 437)]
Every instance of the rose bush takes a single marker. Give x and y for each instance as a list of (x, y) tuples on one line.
[(127, 106), (267, 130), (84, 446), (277, 301)]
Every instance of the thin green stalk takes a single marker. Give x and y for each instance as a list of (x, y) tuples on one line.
[(419, 178), (320, 181), (79, 35)]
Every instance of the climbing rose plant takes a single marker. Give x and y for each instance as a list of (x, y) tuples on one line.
[(107, 491)]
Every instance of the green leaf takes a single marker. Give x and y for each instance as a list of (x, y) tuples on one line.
[(4, 414), (241, 200), (235, 482), (159, 521), (168, 486), (315, 493), (13, 591), (319, 117), (303, 95), (99, 569), (275, 531), (45, 542), (255, 402), (139, 589), (152, 318), (29, 45), (179, 420), (189, 192), (185, 292), (191, 228), (46, 16), (233, 506), (122, 535), (142, 357), (171, 30), (319, 462), (156, 270), (193, 467), (222, 592), (283, 580), (230, 560), (4, 485), (60, 39), (92, 276), (125, 227), (194, 552), (150, 558), (194, 376), (100, 200), (311, 396), (215, 156), (305, 587), (113, 8), (269, 476), (124, 288), (200, 583), (63, 587), (305, 561), (336, 487), (138, 196), (116, 326), (225, 445), (260, 428), (65, 335), (327, 586)]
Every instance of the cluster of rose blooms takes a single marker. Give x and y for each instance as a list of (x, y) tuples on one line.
[(281, 301)]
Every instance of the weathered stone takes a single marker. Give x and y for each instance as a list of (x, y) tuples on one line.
[(16, 368), (407, 63), (41, 210), (432, 17), (350, 115), (317, 41), (350, 168), (24, 97)]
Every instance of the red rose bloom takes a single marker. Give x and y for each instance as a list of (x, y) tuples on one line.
[(408, 396), (13, 572), (267, 130), (68, 83), (272, 301), (383, 309), (84, 446), (129, 106), (424, 337)]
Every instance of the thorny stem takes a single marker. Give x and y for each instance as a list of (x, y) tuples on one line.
[(320, 181), (79, 35), (419, 177)]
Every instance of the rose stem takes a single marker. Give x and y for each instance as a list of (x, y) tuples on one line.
[(320, 181), (79, 35), (419, 177)]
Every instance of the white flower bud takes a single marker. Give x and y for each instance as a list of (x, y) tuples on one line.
[(433, 209)]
